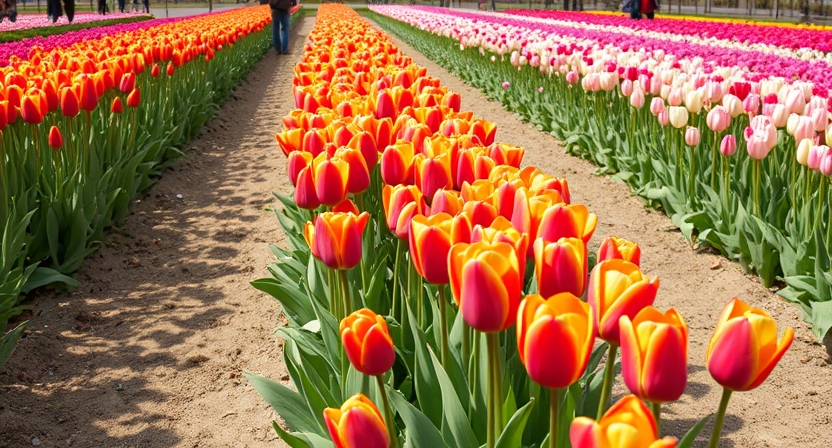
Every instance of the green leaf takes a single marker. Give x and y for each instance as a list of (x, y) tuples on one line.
[(8, 340), (288, 404), (453, 414), (44, 276), (424, 377), (512, 435), (687, 440), (821, 319), (421, 433)]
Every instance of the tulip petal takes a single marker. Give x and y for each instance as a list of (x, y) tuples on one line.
[(585, 433), (377, 354), (784, 345), (549, 340), (732, 360), (664, 374), (360, 428), (484, 301)]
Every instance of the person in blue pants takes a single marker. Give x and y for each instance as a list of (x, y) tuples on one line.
[(280, 24)]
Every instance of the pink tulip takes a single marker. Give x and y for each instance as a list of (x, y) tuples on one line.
[(637, 98), (718, 119), (714, 91), (779, 115), (760, 136), (728, 146), (692, 136), (826, 163), (752, 104), (572, 77), (664, 117), (675, 97), (816, 155), (657, 105), (506, 84), (805, 128), (795, 102), (627, 88), (820, 119)]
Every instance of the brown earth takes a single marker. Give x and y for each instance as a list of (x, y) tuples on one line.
[(150, 350)]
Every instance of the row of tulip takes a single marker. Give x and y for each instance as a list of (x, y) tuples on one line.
[(807, 40), (738, 160), (85, 128), (401, 197), (27, 21)]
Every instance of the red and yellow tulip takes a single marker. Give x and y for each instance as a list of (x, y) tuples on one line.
[(618, 288), (367, 342), (335, 238), (357, 424), (627, 424)]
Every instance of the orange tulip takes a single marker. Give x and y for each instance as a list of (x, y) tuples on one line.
[(55, 138), (446, 201), (30, 109), (654, 354), (401, 204), (567, 221), (367, 342), (88, 98), (331, 177), (335, 238), (116, 107), (555, 338), (744, 348), (618, 288), (618, 248), (357, 424), (134, 99), (69, 102), (290, 140), (430, 242), (297, 161), (560, 266), (528, 212), (305, 195), (358, 179), (432, 174), (627, 424), (397, 163), (486, 282), (500, 231)]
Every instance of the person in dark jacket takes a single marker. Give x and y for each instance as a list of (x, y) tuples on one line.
[(280, 24), (102, 6), (633, 7), (648, 8)]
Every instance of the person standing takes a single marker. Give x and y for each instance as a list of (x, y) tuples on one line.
[(121, 5), (280, 24), (146, 4), (648, 8)]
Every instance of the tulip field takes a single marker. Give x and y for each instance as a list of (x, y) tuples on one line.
[(723, 125), (440, 293), (89, 119)]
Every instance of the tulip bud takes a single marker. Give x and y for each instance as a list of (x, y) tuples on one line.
[(116, 107), (614, 248), (56, 140), (618, 288), (728, 146), (572, 77), (134, 99), (657, 106), (30, 109), (678, 117), (554, 338), (357, 424), (170, 69), (664, 117), (335, 238), (560, 266), (744, 348), (733, 105), (627, 88), (815, 156), (692, 136), (367, 342), (128, 82), (654, 354), (69, 102), (826, 163), (637, 98), (803, 150), (154, 71), (718, 119), (779, 115)]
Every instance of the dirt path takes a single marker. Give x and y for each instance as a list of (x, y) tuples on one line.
[(148, 353), (793, 408)]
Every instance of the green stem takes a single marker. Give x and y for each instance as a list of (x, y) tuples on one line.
[(609, 374), (821, 201), (714, 159), (345, 284), (466, 341), (756, 205), (388, 414), (692, 179), (720, 418), (496, 388), (555, 397), (333, 304), (657, 415), (396, 262), (365, 385), (443, 305)]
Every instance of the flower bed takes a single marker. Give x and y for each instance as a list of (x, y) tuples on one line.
[(89, 120), (400, 198), (737, 159), (27, 21)]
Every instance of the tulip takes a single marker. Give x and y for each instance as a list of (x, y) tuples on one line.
[(555, 338), (335, 238), (305, 195), (401, 203), (692, 136), (446, 201), (826, 164), (55, 138), (627, 424), (804, 148), (751, 104), (728, 145), (657, 105), (69, 102), (664, 117), (397, 163), (733, 105), (718, 119), (678, 116), (367, 342), (117, 106), (30, 109), (486, 283), (331, 179), (779, 116), (654, 349), (128, 82), (572, 77), (154, 71), (358, 178), (816, 154), (760, 137), (615, 248), (134, 98), (616, 288), (626, 88), (742, 353), (567, 221), (357, 424), (560, 266), (637, 98), (693, 101), (430, 244)]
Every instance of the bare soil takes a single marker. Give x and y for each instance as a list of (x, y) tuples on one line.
[(149, 351)]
